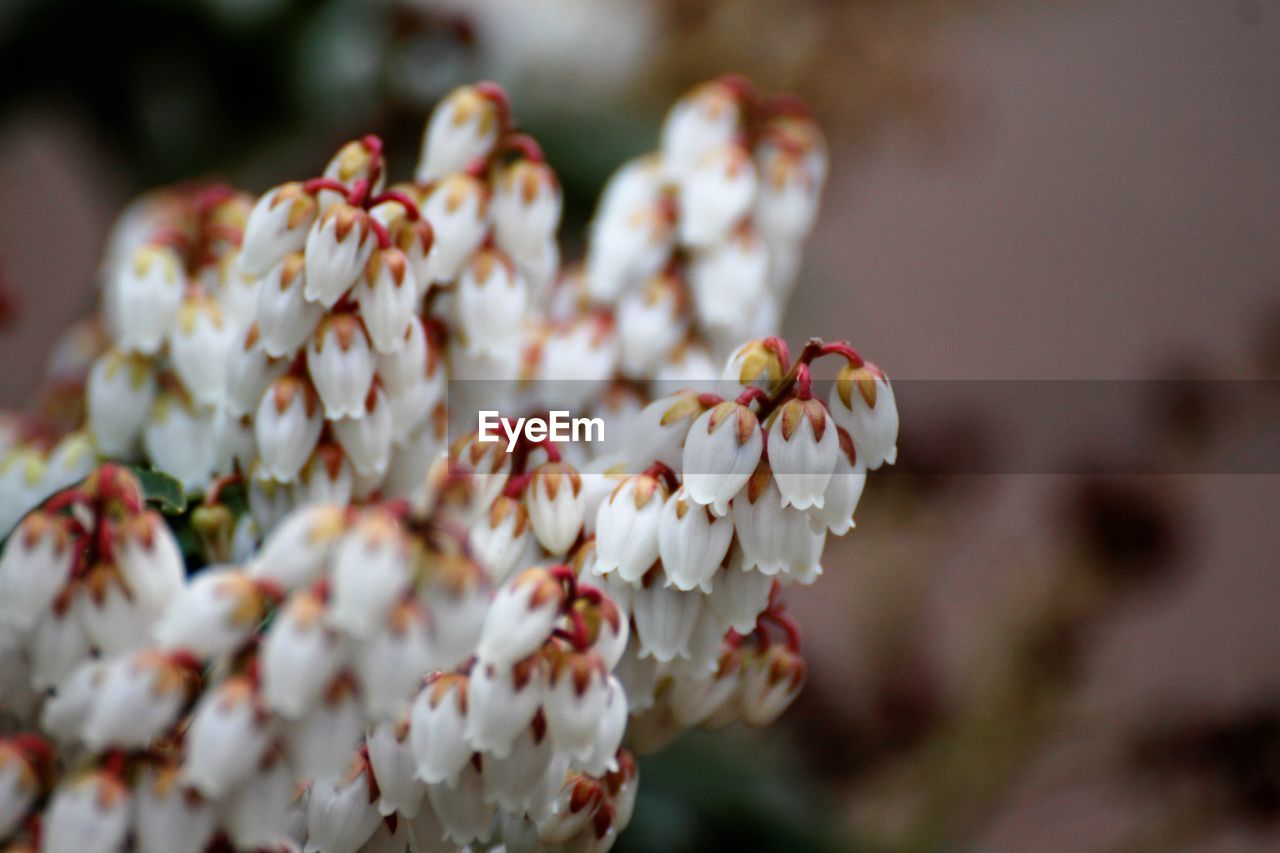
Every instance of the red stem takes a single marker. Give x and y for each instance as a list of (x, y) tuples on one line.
[(409, 205), (804, 383), (380, 232), (754, 392), (841, 348), (526, 145), (662, 470), (565, 575)]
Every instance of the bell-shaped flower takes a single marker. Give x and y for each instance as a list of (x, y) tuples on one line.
[(367, 438), (213, 615), (338, 247), (437, 722), (34, 567), (168, 818), (340, 812), (388, 294), (254, 815), (25, 762), (771, 680), (462, 128), (659, 431), (286, 319), (457, 208), (88, 813), (840, 500), (297, 550), (501, 539), (626, 249), (227, 738), (720, 454), (148, 293), (150, 561), (627, 528), (277, 225), (652, 321), (692, 542), (862, 402), (755, 364), (250, 371), (521, 618), (326, 479), (512, 781), (526, 207), (321, 742), (786, 203), (391, 757), (577, 693), (198, 348), (120, 390), (287, 427), (729, 281), (739, 595), (609, 731), (341, 364), (716, 194), (138, 700), (665, 618), (492, 301), (556, 506), (704, 119), (462, 809), (300, 655), (693, 700), (501, 704), (803, 451)]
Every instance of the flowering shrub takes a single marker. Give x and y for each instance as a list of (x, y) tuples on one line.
[(367, 636)]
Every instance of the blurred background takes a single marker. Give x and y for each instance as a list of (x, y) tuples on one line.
[(1041, 191)]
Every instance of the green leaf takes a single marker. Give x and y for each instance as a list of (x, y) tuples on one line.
[(162, 490)]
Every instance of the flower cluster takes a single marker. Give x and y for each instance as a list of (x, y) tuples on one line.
[(405, 641)]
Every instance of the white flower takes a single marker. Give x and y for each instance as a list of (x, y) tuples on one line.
[(461, 807), (437, 721), (651, 323), (391, 757), (227, 738), (250, 371), (693, 700), (341, 364), (120, 390), (755, 364), (457, 209), (393, 661), (770, 682), (841, 497), (148, 294), (35, 566), (113, 619), (367, 438), (285, 318), (388, 294), (149, 560), (659, 431), (277, 225), (359, 160), (198, 348), (692, 542), (716, 194), (87, 814), (371, 571), (338, 247), (501, 539), (862, 402), (213, 615), (138, 700), (180, 439), (492, 300), (287, 427), (296, 552), (463, 127), (340, 812), (574, 361), (609, 731), (627, 528), (720, 454), (803, 450), (612, 629), (576, 803), (577, 692), (739, 595), (702, 120), (790, 190), (521, 617), (512, 780), (19, 779), (58, 644), (300, 656), (556, 506), (665, 618), (526, 208), (729, 280), (321, 743), (168, 819), (254, 815), (502, 702), (459, 603), (627, 248), (326, 479)]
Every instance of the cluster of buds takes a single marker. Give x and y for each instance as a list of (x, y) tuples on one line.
[(406, 641), (695, 247)]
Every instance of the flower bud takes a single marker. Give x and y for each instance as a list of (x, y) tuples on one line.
[(24, 767), (341, 364), (120, 390), (388, 295), (180, 438), (692, 542), (790, 189), (659, 431), (356, 161), (526, 208), (627, 528), (168, 818), (199, 345), (370, 573), (321, 742), (34, 567), (577, 692), (513, 781), (326, 479), (393, 661), (770, 683), (367, 438), (150, 561), (521, 617), (437, 721), (492, 301), (716, 194), (457, 208), (254, 815), (576, 803), (338, 247), (843, 491), (502, 702), (862, 402), (299, 657), (665, 618), (651, 323), (556, 506), (213, 615), (624, 250), (463, 127), (755, 364), (340, 812), (739, 595), (285, 318), (720, 454), (297, 551), (707, 117), (277, 225), (609, 731), (229, 734), (148, 294), (287, 427), (89, 813), (461, 807), (138, 700), (501, 538), (729, 281), (803, 450)]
